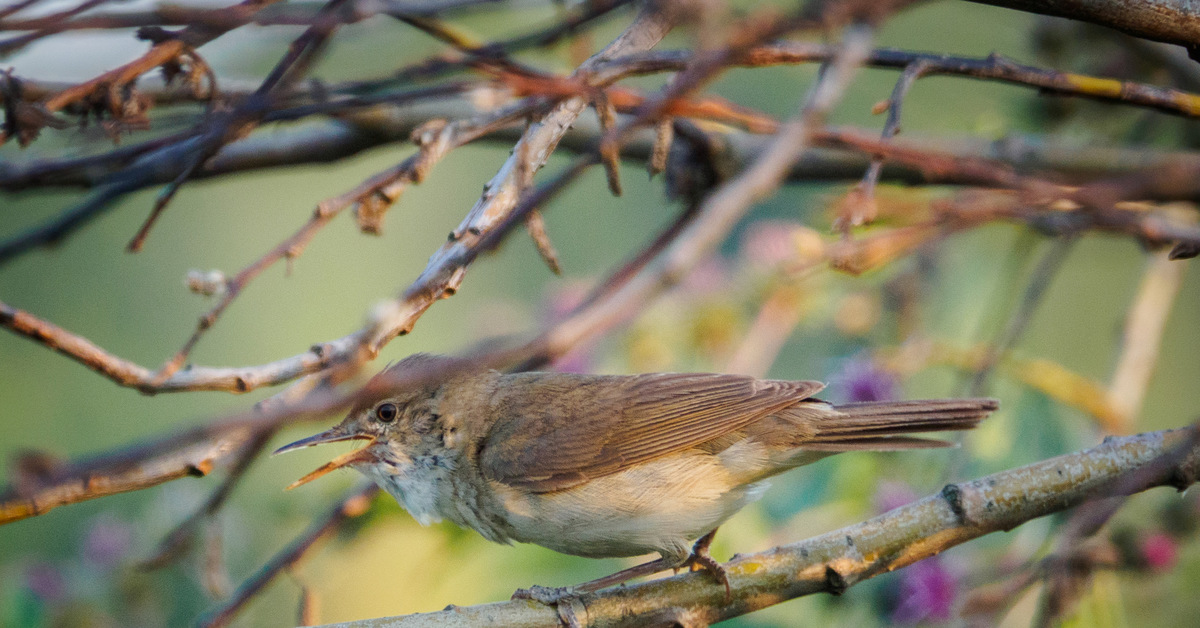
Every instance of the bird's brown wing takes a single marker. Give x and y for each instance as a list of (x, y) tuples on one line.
[(557, 431)]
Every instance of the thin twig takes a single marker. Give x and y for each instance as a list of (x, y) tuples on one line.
[(1039, 280), (992, 68), (221, 129), (353, 505), (861, 209), (433, 144), (180, 537), (1142, 340)]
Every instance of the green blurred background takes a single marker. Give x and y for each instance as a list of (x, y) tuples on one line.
[(74, 566)]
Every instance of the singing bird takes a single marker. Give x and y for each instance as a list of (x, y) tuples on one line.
[(608, 465)]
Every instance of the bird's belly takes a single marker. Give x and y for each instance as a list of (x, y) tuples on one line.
[(659, 506)]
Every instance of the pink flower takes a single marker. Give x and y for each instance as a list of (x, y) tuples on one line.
[(708, 277), (1159, 550), (562, 298), (769, 243), (927, 593)]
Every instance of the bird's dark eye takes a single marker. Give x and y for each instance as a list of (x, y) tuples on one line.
[(387, 412)]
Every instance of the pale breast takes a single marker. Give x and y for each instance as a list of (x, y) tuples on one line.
[(430, 491), (658, 506), (419, 498)]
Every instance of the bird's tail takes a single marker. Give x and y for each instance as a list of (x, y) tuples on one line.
[(887, 425)]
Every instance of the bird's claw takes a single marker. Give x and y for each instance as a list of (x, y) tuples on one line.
[(704, 562), (563, 600), (550, 596), (701, 560)]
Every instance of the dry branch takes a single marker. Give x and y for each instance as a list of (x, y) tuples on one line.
[(193, 454), (833, 562), (349, 139), (442, 276), (1171, 21)]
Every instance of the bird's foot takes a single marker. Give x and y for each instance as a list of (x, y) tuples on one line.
[(564, 600), (549, 596), (701, 560)]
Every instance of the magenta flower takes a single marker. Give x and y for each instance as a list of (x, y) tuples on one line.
[(927, 593), (862, 379), (1159, 550), (578, 361)]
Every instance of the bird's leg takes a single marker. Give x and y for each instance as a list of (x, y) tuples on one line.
[(701, 560), (552, 595), (698, 560)]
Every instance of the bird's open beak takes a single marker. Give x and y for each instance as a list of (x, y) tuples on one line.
[(334, 435)]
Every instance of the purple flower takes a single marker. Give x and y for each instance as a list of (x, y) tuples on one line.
[(927, 593), (107, 541), (46, 582), (862, 379)]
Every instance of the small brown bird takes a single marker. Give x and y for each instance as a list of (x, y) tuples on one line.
[(610, 465)]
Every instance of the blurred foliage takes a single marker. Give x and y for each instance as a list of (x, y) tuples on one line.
[(76, 566)]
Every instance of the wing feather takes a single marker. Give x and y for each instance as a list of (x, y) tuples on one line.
[(557, 431)]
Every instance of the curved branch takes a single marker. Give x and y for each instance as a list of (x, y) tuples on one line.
[(833, 562), (1172, 21)]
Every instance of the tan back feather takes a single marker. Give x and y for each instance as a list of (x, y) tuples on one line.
[(560, 430)]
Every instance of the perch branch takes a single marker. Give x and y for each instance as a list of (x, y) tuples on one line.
[(835, 561)]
